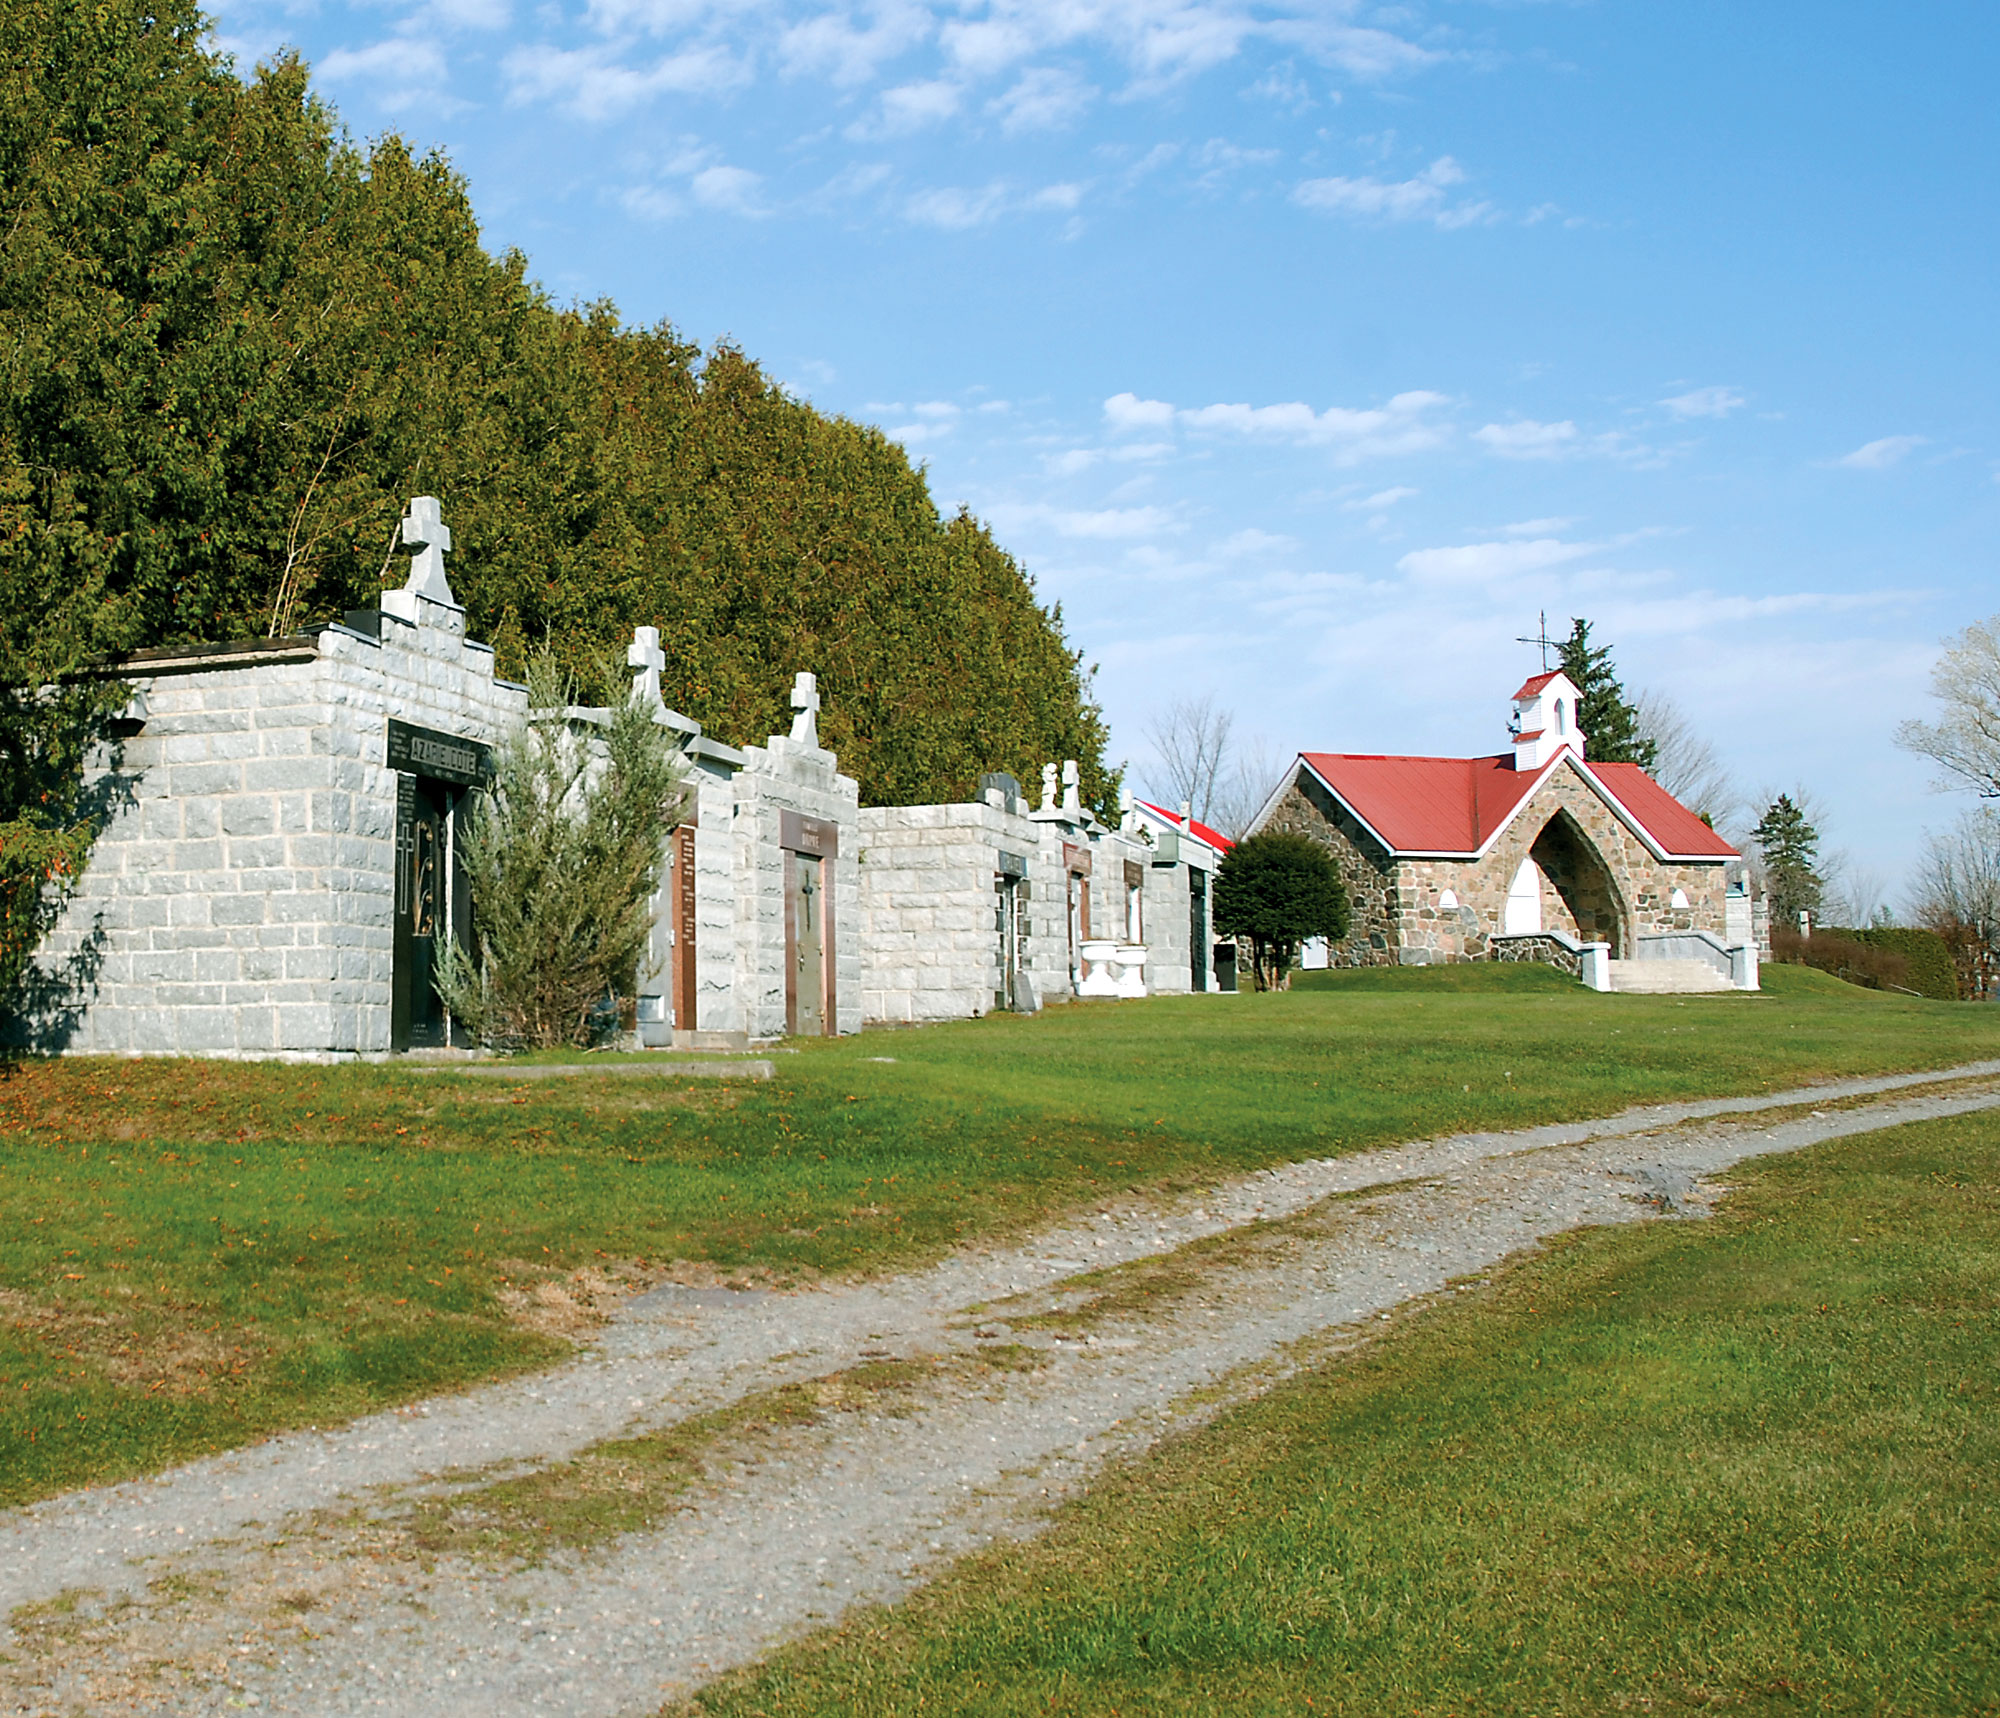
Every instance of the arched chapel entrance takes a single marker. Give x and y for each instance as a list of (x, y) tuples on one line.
[(1581, 881)]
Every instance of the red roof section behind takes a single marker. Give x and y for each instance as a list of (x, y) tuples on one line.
[(1426, 805), (1453, 805), (1669, 822), (1214, 837), (1530, 687)]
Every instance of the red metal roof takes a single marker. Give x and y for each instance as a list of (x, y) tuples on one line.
[(1426, 805), (1669, 822), (1201, 831), (1530, 687), (1456, 805)]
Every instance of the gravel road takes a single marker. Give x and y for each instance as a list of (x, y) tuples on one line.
[(276, 1577)]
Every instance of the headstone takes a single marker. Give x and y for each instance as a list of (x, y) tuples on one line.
[(805, 700)]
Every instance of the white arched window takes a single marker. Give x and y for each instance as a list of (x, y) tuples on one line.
[(1559, 717)]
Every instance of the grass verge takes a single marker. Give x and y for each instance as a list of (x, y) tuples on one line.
[(195, 1254), (1744, 1464)]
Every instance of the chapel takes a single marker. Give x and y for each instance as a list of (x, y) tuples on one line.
[(1536, 853)]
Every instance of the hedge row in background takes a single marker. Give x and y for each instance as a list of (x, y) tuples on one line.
[(1893, 957), (237, 342)]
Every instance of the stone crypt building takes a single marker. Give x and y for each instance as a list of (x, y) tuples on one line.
[(1534, 854)]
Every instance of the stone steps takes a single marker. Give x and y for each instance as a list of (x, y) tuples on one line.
[(1666, 977)]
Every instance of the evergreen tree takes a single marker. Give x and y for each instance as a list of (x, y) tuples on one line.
[(1278, 888), (236, 343), (1789, 846), (1610, 722), (562, 854)]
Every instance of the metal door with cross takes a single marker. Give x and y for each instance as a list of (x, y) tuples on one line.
[(433, 903), (810, 845), (1010, 925)]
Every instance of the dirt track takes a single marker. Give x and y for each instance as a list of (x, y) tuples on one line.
[(951, 1406)]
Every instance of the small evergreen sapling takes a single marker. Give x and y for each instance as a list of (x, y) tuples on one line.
[(563, 856), (1789, 845), (1278, 889)]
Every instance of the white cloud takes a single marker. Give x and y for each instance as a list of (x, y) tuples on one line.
[(954, 208), (400, 62), (1484, 563), (1057, 197), (911, 107), (1380, 499), (652, 202), (1705, 403), (1524, 438), (1043, 98), (1535, 527), (1404, 425), (1251, 541), (1880, 455), (831, 46), (1420, 198), (1282, 87), (730, 189), (1129, 412), (1103, 524), (469, 14), (592, 83)]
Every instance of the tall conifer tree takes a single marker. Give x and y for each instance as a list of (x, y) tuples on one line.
[(1789, 845), (1609, 721)]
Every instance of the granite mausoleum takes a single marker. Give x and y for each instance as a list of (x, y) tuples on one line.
[(284, 862), (1535, 854)]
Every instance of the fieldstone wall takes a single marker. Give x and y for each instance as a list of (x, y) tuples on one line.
[(1372, 878), (240, 902), (1543, 950)]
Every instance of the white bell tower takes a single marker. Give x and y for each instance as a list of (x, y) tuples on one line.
[(1544, 721)]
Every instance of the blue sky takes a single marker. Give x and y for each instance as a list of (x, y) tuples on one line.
[(1306, 350)]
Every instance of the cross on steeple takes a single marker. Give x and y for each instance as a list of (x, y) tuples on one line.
[(805, 700), (425, 531), (1542, 638), (644, 654)]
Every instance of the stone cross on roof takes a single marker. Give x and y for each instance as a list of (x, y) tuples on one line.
[(425, 531), (644, 654), (805, 700), (1072, 800)]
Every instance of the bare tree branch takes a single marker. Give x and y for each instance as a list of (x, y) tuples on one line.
[(1190, 741), (1965, 741), (1685, 763)]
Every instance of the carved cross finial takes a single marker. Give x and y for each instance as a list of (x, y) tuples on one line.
[(805, 700), (425, 531), (1072, 800), (1048, 787), (645, 655)]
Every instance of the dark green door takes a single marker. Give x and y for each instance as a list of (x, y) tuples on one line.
[(423, 911)]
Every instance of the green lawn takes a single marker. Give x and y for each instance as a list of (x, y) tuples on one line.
[(196, 1253), (1745, 1465)]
